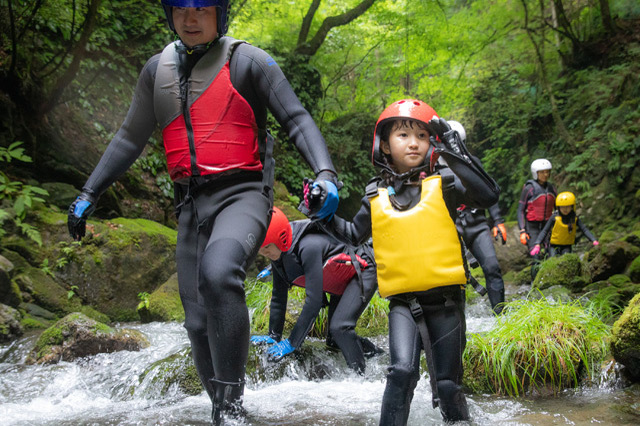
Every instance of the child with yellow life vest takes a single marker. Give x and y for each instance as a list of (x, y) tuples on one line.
[(409, 210), (563, 225)]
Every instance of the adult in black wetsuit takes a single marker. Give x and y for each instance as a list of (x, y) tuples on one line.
[(303, 253), (209, 94), (410, 211), (473, 226)]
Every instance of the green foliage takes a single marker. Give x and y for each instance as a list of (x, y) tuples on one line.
[(19, 196), (72, 291), (144, 300), (538, 346)]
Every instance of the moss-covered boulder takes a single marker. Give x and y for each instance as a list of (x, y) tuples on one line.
[(610, 259), (175, 370), (616, 291), (10, 325), (634, 270), (625, 339), (163, 304), (77, 335), (47, 292), (566, 270)]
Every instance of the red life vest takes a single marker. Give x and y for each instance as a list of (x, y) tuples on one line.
[(337, 272), (216, 130), (541, 203)]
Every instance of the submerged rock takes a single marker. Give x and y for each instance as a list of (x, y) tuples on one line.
[(77, 335), (625, 339)]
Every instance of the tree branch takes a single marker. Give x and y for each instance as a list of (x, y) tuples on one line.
[(309, 48), (306, 22)]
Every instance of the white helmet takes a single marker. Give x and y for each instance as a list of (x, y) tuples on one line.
[(455, 125), (538, 165)]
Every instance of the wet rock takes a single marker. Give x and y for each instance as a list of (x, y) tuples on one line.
[(9, 291), (10, 327), (625, 339), (47, 292), (610, 259), (175, 370), (513, 255), (77, 335), (566, 270), (60, 194), (164, 303)]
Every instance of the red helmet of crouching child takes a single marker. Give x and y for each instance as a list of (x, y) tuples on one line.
[(279, 232)]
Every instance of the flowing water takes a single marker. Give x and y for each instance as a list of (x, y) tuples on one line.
[(106, 390)]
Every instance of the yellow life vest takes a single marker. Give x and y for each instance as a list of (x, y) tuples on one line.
[(560, 234), (416, 249)]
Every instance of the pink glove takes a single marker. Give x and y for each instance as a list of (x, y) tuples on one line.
[(596, 243), (535, 250)]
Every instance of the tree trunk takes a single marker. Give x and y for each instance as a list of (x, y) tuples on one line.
[(78, 53), (607, 21)]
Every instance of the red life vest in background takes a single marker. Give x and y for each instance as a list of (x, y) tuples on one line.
[(218, 124), (337, 272), (542, 202)]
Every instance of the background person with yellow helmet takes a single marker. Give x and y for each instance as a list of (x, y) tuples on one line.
[(563, 225)]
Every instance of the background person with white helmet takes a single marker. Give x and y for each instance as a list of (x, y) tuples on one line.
[(210, 94), (536, 205), (472, 224)]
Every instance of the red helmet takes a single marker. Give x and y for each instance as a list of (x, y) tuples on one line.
[(405, 108), (279, 232)]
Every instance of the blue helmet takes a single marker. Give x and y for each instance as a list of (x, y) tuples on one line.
[(222, 6)]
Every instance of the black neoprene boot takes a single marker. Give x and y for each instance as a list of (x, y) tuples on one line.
[(227, 401)]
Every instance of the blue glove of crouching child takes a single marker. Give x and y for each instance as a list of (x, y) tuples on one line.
[(280, 350), (262, 340)]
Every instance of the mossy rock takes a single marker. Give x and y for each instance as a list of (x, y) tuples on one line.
[(46, 292), (77, 335), (558, 293), (617, 291), (10, 323), (610, 259), (523, 277), (634, 270), (164, 303), (566, 270), (9, 291), (177, 369), (625, 339), (608, 236), (61, 194)]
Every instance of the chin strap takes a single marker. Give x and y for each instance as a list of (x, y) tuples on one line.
[(197, 49)]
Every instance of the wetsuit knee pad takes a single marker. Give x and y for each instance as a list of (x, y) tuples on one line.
[(222, 271), (403, 376)]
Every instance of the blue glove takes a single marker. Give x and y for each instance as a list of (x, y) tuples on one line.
[(79, 211), (280, 350), (264, 273), (262, 340), (329, 197)]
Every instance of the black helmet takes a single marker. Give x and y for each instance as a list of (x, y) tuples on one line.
[(222, 6)]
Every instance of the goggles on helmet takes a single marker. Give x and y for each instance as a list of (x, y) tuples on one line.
[(222, 6)]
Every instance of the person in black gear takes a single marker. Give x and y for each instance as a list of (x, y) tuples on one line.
[(562, 227), (536, 204), (410, 211), (209, 94), (304, 253), (472, 224)]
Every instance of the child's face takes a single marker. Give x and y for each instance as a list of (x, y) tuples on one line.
[(408, 145), (565, 210)]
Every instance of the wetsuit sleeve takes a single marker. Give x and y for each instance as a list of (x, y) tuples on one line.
[(585, 230), (273, 90), (278, 307), (358, 230), (522, 205), (474, 187), (312, 249), (130, 140), (547, 228), (494, 213)]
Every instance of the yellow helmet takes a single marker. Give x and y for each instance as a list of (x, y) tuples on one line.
[(565, 199)]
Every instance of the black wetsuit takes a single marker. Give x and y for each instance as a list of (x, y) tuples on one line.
[(222, 218), (560, 249), (472, 225), (307, 255), (443, 307)]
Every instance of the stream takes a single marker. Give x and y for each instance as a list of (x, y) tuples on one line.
[(106, 390)]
